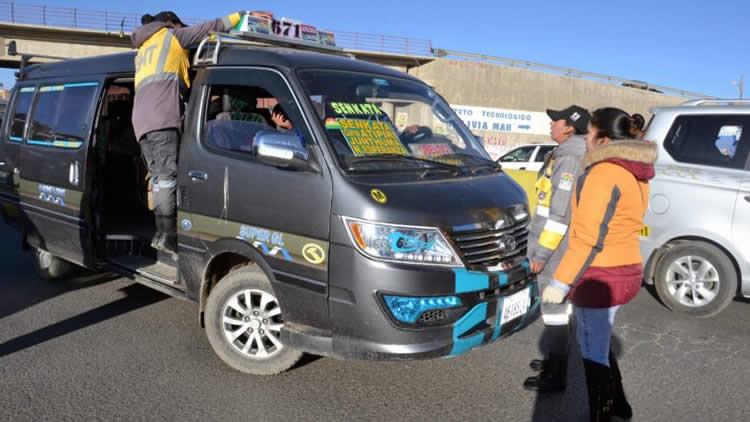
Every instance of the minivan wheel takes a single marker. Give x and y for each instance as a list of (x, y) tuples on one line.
[(696, 278), (50, 267), (243, 324)]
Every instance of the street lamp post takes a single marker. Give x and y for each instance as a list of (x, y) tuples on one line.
[(740, 84)]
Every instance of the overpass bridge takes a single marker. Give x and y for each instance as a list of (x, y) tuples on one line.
[(501, 99)]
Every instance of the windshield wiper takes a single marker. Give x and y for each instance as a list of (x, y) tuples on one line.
[(399, 157), (483, 162)]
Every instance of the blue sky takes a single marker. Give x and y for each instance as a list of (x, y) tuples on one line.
[(692, 45)]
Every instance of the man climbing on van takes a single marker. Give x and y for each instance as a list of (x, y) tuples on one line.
[(548, 241), (161, 82)]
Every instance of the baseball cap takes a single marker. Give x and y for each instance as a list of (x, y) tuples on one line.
[(576, 116), (167, 16)]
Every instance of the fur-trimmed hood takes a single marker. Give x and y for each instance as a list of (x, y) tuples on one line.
[(637, 157)]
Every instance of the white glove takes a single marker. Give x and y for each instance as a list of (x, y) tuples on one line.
[(552, 294)]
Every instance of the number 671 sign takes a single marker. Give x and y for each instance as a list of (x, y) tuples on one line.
[(295, 29)]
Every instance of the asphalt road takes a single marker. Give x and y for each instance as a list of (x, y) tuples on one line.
[(105, 348)]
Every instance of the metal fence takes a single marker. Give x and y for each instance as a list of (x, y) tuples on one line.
[(113, 21)]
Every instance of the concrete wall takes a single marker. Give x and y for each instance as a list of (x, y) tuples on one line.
[(491, 85)]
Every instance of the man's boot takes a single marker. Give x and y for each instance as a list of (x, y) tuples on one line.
[(552, 377), (599, 386), (168, 239), (159, 233), (621, 408)]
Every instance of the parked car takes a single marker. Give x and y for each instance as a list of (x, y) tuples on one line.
[(526, 157), (695, 241)]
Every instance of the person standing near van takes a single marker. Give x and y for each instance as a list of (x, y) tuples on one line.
[(547, 239), (602, 268), (161, 82)]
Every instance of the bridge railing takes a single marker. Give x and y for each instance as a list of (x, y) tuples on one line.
[(112, 21)]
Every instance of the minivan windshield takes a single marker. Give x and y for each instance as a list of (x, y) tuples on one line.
[(379, 123)]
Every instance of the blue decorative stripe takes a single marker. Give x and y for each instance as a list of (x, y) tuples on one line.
[(467, 227), (469, 281), (15, 139), (475, 316), (58, 144), (81, 84)]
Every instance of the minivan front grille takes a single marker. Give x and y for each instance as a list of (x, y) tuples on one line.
[(488, 248)]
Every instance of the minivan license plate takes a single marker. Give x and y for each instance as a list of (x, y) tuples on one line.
[(515, 305)]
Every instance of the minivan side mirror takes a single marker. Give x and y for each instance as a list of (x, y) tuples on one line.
[(281, 150)]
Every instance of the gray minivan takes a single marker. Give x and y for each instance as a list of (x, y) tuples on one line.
[(376, 228), (698, 222)]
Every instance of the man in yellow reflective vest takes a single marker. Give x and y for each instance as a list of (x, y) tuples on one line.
[(161, 83), (547, 240)]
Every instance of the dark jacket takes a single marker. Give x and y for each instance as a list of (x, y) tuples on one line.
[(161, 71)]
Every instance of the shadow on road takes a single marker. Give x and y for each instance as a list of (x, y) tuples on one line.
[(136, 296)]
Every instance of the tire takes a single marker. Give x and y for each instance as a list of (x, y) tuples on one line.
[(714, 283), (257, 349), (50, 267)]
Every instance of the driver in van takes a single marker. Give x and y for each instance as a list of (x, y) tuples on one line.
[(161, 83)]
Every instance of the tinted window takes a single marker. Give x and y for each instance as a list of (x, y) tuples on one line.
[(713, 140), (541, 155), (18, 115), (235, 114), (60, 116), (519, 155)]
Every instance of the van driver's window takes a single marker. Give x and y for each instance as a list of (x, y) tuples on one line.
[(60, 115), (713, 140), (236, 114), (20, 111)]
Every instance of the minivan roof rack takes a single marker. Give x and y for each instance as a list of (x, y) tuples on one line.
[(25, 58), (715, 102), (251, 38)]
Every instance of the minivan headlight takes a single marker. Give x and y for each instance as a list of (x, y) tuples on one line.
[(408, 244)]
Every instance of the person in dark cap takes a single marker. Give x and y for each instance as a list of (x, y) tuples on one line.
[(548, 239), (161, 81)]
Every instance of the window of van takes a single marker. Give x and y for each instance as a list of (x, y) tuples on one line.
[(712, 140), (20, 111), (235, 114), (59, 118)]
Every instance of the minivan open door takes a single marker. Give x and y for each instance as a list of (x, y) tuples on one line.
[(53, 169)]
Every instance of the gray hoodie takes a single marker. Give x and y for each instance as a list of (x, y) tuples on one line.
[(555, 182), (161, 71)]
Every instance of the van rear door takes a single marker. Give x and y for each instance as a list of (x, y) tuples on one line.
[(53, 168)]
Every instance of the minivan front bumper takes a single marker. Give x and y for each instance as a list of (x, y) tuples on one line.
[(364, 327)]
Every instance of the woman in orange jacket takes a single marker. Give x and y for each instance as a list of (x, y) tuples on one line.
[(602, 267)]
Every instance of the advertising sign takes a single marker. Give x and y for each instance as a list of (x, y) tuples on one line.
[(503, 120)]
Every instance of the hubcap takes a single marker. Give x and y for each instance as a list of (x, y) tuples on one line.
[(693, 281), (252, 323)]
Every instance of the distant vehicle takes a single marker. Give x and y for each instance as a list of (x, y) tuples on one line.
[(640, 85), (526, 157), (695, 241)]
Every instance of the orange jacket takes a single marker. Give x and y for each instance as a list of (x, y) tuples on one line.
[(609, 202)]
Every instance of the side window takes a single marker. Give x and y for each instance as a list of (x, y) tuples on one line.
[(712, 140), (522, 154), (20, 111), (60, 115), (237, 113), (541, 155)]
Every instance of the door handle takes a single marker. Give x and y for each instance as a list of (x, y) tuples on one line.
[(197, 175), (522, 168), (747, 198), (2, 163)]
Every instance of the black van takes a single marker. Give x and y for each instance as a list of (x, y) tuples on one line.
[(376, 227)]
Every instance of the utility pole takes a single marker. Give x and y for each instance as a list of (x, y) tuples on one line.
[(740, 84)]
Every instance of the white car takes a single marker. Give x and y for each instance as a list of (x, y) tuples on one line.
[(526, 157)]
